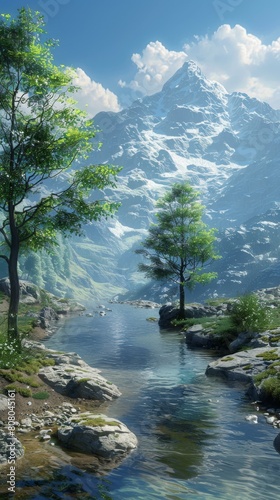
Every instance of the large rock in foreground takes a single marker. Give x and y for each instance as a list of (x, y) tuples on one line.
[(98, 435), (75, 382), (72, 377)]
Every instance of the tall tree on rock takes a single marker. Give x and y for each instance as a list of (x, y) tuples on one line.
[(42, 134), (180, 244)]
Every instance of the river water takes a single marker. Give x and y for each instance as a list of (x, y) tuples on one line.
[(194, 439)]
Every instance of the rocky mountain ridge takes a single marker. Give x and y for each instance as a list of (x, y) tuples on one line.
[(225, 145)]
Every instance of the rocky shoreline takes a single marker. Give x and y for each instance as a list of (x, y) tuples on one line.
[(252, 359), (69, 424)]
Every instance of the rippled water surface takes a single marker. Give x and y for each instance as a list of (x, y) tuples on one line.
[(194, 441)]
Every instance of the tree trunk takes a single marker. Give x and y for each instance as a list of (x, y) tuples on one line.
[(14, 282), (14, 297), (182, 297)]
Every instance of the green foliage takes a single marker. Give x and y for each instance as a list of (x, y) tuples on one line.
[(271, 388), (271, 355), (219, 326), (43, 136), (26, 360), (16, 376), (10, 354), (33, 269), (249, 315), (23, 391), (41, 395), (180, 244), (269, 372)]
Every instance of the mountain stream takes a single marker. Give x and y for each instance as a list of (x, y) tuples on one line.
[(194, 439)]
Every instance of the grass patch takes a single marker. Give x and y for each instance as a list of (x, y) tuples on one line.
[(274, 338), (16, 376), (269, 355), (23, 391), (247, 367), (41, 395), (218, 326), (98, 422), (227, 358), (269, 372)]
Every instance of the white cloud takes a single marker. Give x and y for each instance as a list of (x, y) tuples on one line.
[(154, 67), (237, 59), (93, 97), (240, 61)]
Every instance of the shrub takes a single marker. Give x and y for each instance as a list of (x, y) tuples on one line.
[(10, 354), (249, 315), (271, 388)]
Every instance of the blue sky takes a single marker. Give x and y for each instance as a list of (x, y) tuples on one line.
[(124, 49)]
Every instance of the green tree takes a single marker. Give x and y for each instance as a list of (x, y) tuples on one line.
[(33, 269), (180, 244), (43, 134)]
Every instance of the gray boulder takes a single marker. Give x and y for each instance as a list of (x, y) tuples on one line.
[(243, 339), (98, 435), (197, 336), (168, 313), (242, 366), (46, 316), (246, 339), (79, 381), (28, 291)]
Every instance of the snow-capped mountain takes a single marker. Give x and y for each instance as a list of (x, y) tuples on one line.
[(226, 145)]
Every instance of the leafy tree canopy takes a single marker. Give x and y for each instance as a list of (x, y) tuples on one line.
[(179, 245), (43, 189)]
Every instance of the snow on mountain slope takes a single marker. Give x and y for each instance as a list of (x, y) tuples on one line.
[(226, 145)]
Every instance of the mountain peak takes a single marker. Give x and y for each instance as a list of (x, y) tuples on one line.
[(190, 75)]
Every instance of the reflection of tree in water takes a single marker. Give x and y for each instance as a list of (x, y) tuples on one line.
[(183, 424)]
